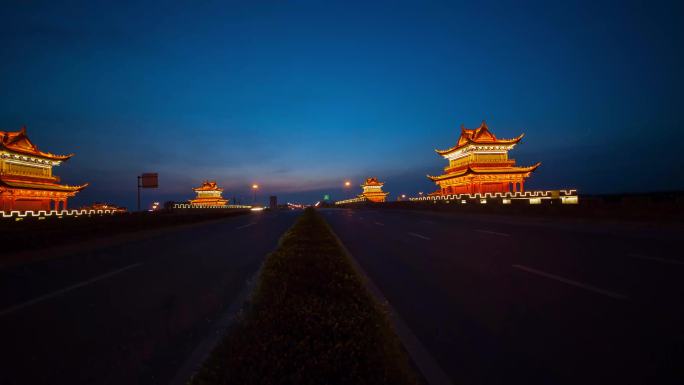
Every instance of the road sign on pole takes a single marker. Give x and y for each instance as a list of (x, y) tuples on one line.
[(147, 180)]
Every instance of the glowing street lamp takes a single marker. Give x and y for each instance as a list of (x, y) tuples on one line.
[(347, 185), (255, 187)]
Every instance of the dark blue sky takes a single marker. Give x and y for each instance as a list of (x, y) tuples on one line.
[(301, 95)]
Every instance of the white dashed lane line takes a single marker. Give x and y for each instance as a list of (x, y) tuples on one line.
[(493, 233), (663, 260), (66, 289), (419, 236), (571, 282)]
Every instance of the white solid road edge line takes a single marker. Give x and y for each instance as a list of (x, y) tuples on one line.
[(419, 236), (66, 289), (572, 283), (431, 371), (493, 232)]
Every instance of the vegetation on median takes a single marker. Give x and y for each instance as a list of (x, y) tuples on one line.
[(311, 320)]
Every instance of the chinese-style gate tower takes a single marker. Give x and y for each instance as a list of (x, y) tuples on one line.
[(209, 194), (26, 179), (372, 190), (479, 163)]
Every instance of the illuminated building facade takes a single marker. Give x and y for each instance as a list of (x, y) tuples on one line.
[(372, 190), (26, 179), (479, 163), (208, 194)]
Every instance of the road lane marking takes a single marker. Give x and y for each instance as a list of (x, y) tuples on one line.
[(571, 282), (663, 260), (419, 236), (379, 224), (493, 232), (66, 289), (421, 357), (247, 225)]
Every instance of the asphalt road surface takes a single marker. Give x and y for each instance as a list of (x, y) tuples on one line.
[(130, 313), (498, 300)]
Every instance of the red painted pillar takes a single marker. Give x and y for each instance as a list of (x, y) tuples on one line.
[(64, 205), (522, 185)]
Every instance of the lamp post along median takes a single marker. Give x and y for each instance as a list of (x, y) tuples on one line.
[(255, 187)]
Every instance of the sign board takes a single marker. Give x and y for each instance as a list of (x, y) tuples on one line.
[(326, 197), (149, 180)]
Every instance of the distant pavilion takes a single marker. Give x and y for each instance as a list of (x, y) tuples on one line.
[(479, 163), (209, 194), (372, 190)]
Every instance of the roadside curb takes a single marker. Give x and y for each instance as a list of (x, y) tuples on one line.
[(422, 359)]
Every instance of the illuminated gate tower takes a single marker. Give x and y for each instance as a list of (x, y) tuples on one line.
[(208, 194), (26, 179), (479, 163), (372, 190)]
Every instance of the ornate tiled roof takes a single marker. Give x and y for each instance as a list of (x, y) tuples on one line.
[(208, 185), (18, 141), (486, 170), (480, 135)]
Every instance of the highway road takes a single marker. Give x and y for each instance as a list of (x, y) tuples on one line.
[(505, 300), (130, 313)]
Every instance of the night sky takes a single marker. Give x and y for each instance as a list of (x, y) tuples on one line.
[(299, 96)]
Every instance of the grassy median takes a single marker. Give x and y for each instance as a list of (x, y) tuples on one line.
[(311, 320)]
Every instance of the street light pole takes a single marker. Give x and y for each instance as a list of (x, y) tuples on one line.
[(139, 192), (347, 184), (255, 187)]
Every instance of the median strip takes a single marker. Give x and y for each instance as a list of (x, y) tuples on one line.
[(311, 320)]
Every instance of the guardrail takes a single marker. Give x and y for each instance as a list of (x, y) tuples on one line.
[(191, 206), (535, 197), (56, 213), (567, 196), (352, 200)]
